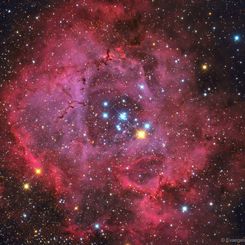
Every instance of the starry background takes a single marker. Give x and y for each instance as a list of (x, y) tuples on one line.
[(122, 122)]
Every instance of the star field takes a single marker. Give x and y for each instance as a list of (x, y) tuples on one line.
[(122, 122)]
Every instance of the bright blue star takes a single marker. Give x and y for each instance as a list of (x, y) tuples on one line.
[(105, 103), (184, 209), (123, 116), (236, 38), (105, 115), (141, 86), (97, 226), (147, 125)]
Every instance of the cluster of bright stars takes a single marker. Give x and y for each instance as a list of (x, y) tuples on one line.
[(123, 117)]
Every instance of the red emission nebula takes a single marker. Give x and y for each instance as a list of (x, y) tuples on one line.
[(108, 118)]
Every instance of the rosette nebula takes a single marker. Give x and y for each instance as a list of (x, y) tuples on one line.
[(122, 123)]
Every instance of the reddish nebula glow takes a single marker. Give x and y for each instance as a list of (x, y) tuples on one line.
[(64, 113)]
